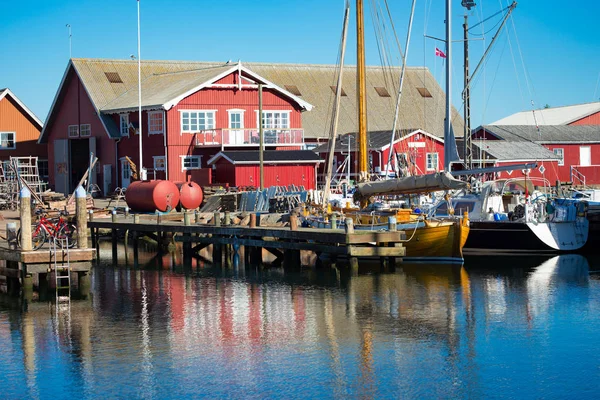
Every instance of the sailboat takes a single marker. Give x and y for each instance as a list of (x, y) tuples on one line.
[(439, 239)]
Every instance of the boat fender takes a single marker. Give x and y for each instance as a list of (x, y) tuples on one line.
[(549, 208)]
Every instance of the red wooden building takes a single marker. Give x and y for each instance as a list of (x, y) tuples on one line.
[(281, 168), (416, 152), (189, 115), (19, 131), (575, 147)]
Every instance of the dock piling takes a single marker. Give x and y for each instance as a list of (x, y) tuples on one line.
[(333, 221), (349, 225), (25, 211), (81, 220)]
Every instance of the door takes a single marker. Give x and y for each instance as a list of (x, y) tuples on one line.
[(125, 173), (61, 166), (585, 156), (236, 127), (107, 179)]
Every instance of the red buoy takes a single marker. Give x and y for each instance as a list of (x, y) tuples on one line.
[(190, 195), (149, 196)]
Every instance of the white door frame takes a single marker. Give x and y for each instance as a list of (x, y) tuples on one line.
[(585, 156), (125, 178)]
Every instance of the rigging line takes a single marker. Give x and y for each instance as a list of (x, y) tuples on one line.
[(490, 17), (491, 29), (494, 80), (512, 54), (394, 30)]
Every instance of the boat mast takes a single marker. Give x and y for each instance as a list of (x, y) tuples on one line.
[(361, 89), (336, 110), (448, 121), (467, 149)]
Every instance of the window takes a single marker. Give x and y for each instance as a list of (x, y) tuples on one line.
[(190, 162), (7, 140), (113, 77), (194, 121), (236, 119), (424, 92), (276, 119), (159, 163), (124, 124), (382, 92), (155, 123), (126, 170), (293, 89), (432, 161), (334, 90), (560, 152), (85, 130), (43, 169), (73, 131)]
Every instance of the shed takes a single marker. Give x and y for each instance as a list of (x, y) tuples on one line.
[(281, 168)]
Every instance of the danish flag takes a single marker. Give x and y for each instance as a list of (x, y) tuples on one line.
[(439, 53)]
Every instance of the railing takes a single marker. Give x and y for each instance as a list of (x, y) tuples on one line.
[(249, 137), (584, 175)]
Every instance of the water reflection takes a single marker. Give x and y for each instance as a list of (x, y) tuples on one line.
[(165, 331)]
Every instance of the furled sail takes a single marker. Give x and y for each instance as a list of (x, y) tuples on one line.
[(411, 184)]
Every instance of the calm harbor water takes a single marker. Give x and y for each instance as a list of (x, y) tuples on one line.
[(497, 327)]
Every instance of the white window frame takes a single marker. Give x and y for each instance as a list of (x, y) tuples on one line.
[(437, 161), (235, 111), (88, 130), (556, 152), (124, 117), (206, 127), (14, 140), (73, 131), (164, 162), (287, 112), (184, 158), (162, 122)]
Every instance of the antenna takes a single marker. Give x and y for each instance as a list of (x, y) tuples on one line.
[(70, 46), (468, 4)]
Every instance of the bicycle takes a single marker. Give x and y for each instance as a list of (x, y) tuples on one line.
[(44, 229)]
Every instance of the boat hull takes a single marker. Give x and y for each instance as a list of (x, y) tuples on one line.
[(526, 237)]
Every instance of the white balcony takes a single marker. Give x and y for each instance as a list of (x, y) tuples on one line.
[(248, 137)]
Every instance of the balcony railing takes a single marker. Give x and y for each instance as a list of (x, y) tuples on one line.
[(249, 137)]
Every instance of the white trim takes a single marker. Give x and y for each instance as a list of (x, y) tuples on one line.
[(288, 112), (81, 130), (154, 158), (561, 161), (162, 114), (303, 104), (437, 159), (183, 157), (235, 111), (14, 146), (221, 155), (121, 116), (27, 110), (69, 131), (214, 118), (429, 135)]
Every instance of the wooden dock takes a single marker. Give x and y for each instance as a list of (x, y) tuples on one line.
[(285, 243)]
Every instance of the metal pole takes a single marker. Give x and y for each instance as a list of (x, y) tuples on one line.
[(468, 157), (336, 110), (70, 45), (260, 136), (448, 122), (142, 170), (361, 89)]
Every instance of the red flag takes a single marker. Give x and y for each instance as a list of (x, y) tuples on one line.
[(439, 53)]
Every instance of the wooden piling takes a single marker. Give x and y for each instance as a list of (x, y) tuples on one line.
[(392, 225), (227, 218), (217, 218), (333, 221), (293, 222), (349, 225), (25, 212), (253, 220), (80, 215)]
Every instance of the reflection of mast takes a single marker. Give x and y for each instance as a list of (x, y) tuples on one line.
[(366, 357), (29, 353), (335, 352)]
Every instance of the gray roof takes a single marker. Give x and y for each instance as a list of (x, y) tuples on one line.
[(551, 116), (376, 141), (545, 133), (165, 80), (271, 156), (510, 151)]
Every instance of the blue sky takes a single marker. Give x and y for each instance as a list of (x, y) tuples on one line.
[(559, 43)]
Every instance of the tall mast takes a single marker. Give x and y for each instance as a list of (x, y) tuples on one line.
[(361, 89), (448, 122), (467, 148)]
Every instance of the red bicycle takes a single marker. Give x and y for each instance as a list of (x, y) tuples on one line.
[(44, 229)]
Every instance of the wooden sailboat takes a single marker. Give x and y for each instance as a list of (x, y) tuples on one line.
[(428, 239)]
